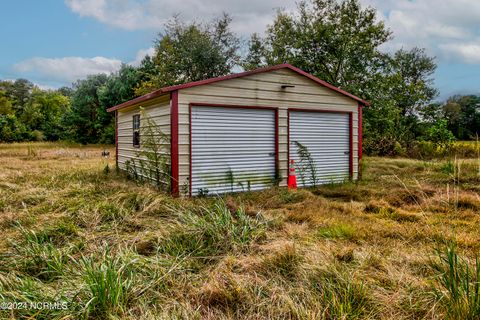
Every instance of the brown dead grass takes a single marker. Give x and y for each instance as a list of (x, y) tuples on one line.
[(378, 234)]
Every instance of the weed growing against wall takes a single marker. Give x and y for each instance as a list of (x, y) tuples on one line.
[(152, 160), (306, 167)]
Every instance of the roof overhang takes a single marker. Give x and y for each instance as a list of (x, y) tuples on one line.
[(164, 90)]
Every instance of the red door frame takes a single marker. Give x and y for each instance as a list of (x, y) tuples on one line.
[(201, 104), (116, 139), (350, 143), (360, 131), (174, 143)]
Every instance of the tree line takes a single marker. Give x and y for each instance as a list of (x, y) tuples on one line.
[(337, 41)]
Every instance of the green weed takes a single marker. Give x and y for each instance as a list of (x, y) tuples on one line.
[(109, 281), (460, 284)]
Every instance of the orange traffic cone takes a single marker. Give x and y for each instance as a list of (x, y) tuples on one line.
[(292, 178)]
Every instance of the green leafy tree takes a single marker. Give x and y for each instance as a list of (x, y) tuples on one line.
[(413, 88), (439, 134), (12, 130), (87, 120), (256, 53), (48, 108), (463, 116), (20, 91), (405, 85), (336, 41), (339, 41), (191, 52), (5, 104), (118, 88)]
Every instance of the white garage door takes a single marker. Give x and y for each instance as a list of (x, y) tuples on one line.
[(326, 137), (233, 149)]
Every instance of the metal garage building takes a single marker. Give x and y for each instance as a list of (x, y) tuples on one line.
[(238, 132)]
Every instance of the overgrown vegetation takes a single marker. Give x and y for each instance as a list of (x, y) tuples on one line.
[(212, 231), (152, 161), (306, 167), (102, 246), (338, 41), (459, 284)]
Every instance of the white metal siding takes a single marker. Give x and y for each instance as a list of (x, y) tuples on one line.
[(327, 138), (236, 140), (158, 110), (264, 89)]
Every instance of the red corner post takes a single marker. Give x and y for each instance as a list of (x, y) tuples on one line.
[(360, 131), (174, 143), (116, 138)]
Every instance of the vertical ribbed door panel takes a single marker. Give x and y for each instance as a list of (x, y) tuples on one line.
[(233, 149), (326, 137)]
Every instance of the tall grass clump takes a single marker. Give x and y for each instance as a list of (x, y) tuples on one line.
[(109, 282), (285, 262), (340, 296), (213, 230), (459, 282), (37, 256)]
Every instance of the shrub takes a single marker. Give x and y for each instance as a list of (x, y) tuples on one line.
[(37, 135), (440, 135)]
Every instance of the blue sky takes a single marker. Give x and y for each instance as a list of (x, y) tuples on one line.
[(54, 42)]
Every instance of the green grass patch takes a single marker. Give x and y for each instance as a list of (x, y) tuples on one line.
[(339, 231), (459, 283)]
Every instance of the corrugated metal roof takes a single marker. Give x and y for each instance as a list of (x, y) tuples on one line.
[(165, 90)]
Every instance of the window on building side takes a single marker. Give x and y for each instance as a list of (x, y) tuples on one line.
[(136, 130)]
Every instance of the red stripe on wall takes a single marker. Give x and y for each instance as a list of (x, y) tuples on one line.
[(351, 145), (174, 142), (116, 139), (277, 161), (288, 143), (360, 131), (190, 149)]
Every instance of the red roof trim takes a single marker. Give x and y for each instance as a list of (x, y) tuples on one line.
[(161, 91)]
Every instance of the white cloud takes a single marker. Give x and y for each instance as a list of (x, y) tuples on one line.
[(437, 25), (45, 86), (249, 15), (468, 52), (142, 53), (67, 69), (448, 29)]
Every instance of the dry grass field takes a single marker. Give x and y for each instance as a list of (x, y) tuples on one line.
[(401, 243)]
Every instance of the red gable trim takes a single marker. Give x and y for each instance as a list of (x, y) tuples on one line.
[(161, 91)]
